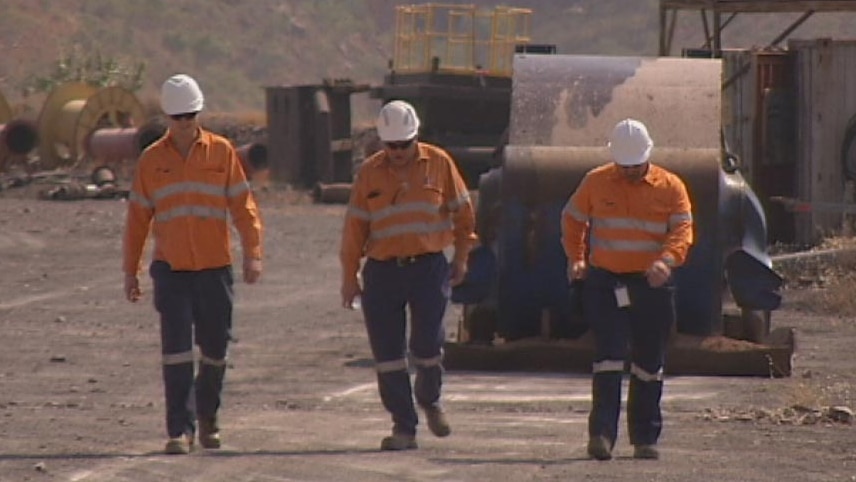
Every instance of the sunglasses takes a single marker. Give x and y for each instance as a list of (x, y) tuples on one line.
[(186, 116), (400, 144)]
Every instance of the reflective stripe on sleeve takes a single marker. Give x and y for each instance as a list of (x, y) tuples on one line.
[(676, 219), (457, 203), (237, 189), (138, 198), (358, 213), (573, 212)]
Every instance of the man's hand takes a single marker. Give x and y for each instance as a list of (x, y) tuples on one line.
[(350, 290), (458, 272), (132, 288), (252, 270), (658, 274), (577, 270)]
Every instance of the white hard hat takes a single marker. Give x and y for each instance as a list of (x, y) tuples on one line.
[(180, 94), (397, 121), (630, 143)]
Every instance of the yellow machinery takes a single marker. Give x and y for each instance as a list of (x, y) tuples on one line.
[(460, 39), (79, 121), (453, 64)]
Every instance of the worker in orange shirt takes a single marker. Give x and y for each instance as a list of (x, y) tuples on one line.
[(624, 230), (408, 203), (186, 187)]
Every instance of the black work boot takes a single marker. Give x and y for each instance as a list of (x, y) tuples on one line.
[(209, 433), (599, 447), (437, 422), (649, 452)]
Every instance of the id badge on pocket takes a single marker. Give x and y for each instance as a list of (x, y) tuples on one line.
[(622, 296)]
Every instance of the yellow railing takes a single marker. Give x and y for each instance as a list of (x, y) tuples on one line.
[(458, 38)]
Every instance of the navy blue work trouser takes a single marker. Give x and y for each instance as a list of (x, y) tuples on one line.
[(642, 329), (192, 304), (389, 287)]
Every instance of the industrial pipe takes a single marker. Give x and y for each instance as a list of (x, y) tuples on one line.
[(116, 144), (19, 136), (334, 193), (254, 157), (254, 161)]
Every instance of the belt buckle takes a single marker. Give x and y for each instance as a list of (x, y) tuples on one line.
[(405, 261)]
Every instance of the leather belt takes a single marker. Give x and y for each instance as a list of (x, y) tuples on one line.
[(402, 261)]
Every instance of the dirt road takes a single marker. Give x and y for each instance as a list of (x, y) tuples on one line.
[(81, 399)]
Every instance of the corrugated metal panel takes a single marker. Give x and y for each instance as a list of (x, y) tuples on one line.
[(826, 101), (738, 108)]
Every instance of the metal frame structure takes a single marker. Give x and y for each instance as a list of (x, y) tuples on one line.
[(722, 12), (459, 39)]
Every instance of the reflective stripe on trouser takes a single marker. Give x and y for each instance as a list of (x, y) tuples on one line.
[(643, 328), (387, 290), (192, 305)]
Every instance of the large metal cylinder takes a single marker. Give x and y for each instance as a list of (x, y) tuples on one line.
[(563, 110), (570, 100)]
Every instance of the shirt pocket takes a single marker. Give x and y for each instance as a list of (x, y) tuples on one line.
[(660, 204), (214, 175), (608, 207), (433, 195), (377, 199)]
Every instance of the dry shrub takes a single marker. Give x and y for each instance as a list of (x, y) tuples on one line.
[(825, 283)]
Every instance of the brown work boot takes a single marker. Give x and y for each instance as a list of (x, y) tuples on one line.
[(649, 452), (599, 447), (399, 441), (179, 445), (209, 434), (437, 422)]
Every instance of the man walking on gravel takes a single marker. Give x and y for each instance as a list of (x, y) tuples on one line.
[(187, 186), (408, 203), (624, 229)]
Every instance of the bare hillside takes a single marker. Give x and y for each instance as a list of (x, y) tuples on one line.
[(238, 47)]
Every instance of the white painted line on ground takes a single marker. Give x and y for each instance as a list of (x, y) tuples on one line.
[(363, 387), (512, 388), (26, 300)]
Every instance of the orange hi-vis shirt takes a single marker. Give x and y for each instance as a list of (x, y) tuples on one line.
[(389, 218), (186, 203), (631, 224)]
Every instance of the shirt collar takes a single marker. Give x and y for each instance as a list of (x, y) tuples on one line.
[(202, 137), (650, 177), (421, 154)]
